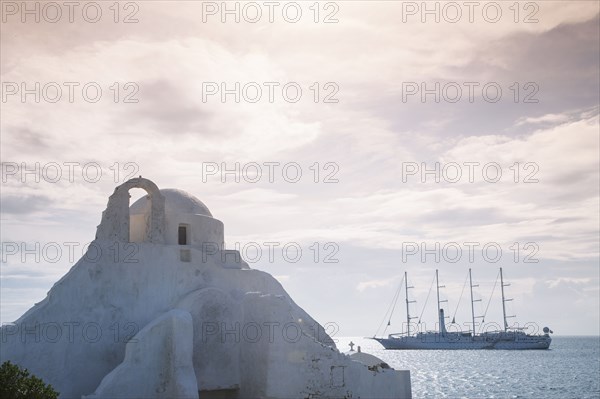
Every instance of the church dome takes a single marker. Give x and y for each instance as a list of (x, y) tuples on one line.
[(176, 201)]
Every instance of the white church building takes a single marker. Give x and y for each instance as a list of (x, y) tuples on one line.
[(179, 316)]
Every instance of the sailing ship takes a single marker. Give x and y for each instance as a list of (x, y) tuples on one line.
[(506, 338)]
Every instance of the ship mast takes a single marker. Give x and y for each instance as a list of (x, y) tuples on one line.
[(408, 318), (438, 286), (473, 301), (504, 300)]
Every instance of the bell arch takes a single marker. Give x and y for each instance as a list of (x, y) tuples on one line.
[(115, 218)]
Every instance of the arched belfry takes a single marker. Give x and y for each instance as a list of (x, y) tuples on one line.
[(167, 217), (115, 224)]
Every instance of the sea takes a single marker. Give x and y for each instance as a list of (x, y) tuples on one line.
[(569, 369)]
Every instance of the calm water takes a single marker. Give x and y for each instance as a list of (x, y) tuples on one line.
[(569, 369)]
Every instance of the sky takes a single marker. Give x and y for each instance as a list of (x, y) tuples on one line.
[(341, 143)]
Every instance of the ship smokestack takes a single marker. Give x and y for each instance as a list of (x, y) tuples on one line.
[(442, 322)]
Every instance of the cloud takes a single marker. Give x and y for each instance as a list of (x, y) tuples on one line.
[(366, 285), (259, 195), (568, 281), (25, 139), (548, 118), (166, 108), (24, 204)]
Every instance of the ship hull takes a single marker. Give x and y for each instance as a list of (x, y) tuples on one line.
[(466, 342)]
